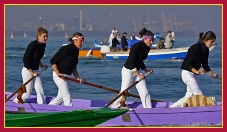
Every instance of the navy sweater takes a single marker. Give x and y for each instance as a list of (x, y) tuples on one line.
[(197, 55), (138, 53), (66, 59), (33, 55)]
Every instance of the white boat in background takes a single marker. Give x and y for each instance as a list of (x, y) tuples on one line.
[(130, 41), (158, 54), (66, 35), (25, 35), (12, 35)]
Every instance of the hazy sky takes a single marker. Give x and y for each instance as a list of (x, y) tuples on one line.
[(206, 17)]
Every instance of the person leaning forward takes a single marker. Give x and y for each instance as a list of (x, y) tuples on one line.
[(64, 64), (32, 63), (130, 72), (196, 57)]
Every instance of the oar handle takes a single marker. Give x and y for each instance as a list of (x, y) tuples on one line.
[(23, 85), (211, 75), (120, 94)]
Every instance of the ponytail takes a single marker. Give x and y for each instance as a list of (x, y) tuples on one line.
[(209, 35)]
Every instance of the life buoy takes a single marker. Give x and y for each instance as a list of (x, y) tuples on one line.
[(105, 49)]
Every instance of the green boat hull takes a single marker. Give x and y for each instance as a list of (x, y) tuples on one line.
[(76, 118)]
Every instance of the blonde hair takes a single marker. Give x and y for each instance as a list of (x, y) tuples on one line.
[(40, 31)]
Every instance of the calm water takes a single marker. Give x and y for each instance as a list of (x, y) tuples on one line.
[(164, 84)]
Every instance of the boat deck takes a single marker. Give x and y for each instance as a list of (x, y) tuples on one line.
[(158, 115)]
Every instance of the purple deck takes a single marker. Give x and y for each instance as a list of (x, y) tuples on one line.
[(200, 116), (159, 115)]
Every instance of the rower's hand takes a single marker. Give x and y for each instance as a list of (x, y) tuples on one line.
[(201, 71), (61, 75), (214, 75), (80, 79), (35, 74), (150, 70), (141, 76)]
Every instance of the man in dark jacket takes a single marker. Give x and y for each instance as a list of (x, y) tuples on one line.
[(124, 42)]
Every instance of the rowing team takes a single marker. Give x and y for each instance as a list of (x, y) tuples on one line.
[(65, 60)]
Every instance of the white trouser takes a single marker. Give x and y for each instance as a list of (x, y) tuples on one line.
[(63, 91), (128, 78), (192, 81), (36, 82)]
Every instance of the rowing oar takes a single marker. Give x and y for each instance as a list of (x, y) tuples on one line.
[(22, 89), (123, 92), (211, 75), (108, 89)]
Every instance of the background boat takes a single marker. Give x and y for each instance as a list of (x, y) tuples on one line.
[(66, 35), (95, 50), (12, 35), (174, 53), (25, 35)]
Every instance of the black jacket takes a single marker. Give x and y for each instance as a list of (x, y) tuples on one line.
[(197, 55), (137, 54), (66, 59), (33, 55)]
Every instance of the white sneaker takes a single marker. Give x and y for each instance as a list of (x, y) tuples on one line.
[(15, 100), (126, 107), (175, 105)]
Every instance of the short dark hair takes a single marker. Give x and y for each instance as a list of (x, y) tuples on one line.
[(74, 35)]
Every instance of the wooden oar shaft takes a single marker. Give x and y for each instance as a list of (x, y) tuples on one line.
[(102, 87), (29, 80), (22, 86), (106, 88), (120, 94), (211, 75), (117, 91), (19, 88), (12, 95), (94, 85)]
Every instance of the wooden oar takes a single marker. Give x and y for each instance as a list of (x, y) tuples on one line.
[(211, 75), (106, 88), (22, 89), (123, 92)]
